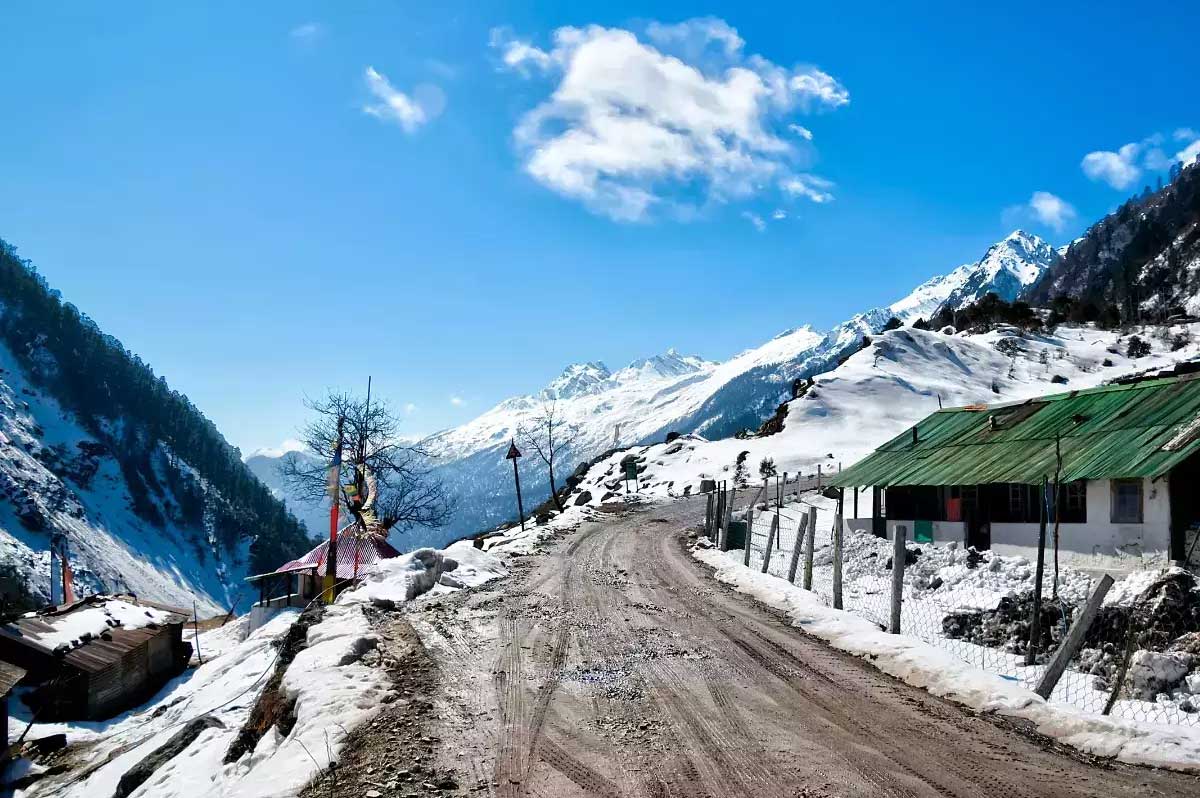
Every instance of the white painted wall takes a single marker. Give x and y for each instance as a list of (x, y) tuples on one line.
[(1098, 545)]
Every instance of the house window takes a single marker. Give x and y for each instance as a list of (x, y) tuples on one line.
[(1016, 502), (1127, 501), (1074, 503)]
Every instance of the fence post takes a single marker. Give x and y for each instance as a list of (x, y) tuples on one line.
[(728, 518), (770, 542), (809, 545), (750, 527), (1074, 639), (1035, 617), (796, 548), (898, 557), (708, 512), (818, 476), (837, 555)]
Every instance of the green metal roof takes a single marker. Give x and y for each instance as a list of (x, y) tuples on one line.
[(1139, 429)]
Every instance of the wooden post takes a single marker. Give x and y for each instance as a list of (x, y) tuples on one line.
[(1035, 617), (855, 502), (708, 512), (809, 545), (729, 517), (1074, 639), (720, 510), (196, 624), (770, 542), (897, 575), (750, 526), (818, 476), (800, 530), (837, 555)]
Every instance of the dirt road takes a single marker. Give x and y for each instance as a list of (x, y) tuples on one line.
[(613, 665)]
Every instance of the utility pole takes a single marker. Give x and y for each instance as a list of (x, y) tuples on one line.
[(335, 485), (513, 454)]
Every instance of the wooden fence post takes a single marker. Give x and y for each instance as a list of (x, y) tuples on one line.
[(837, 555), (898, 557), (809, 545), (1074, 639), (708, 514), (1035, 621), (728, 518), (770, 542), (796, 548)]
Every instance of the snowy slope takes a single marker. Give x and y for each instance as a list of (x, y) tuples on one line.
[(671, 392), (56, 477), (884, 389)]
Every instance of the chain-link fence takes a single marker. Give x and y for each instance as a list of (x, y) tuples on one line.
[(1139, 657)]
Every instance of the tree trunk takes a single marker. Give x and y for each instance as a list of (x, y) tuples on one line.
[(554, 491)]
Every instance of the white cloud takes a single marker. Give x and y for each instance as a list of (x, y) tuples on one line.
[(457, 401), (1123, 168), (801, 131), (1189, 153), (409, 408), (779, 214), (307, 32), (759, 223), (1051, 210), (633, 130), (808, 186), (1119, 169), (408, 111)]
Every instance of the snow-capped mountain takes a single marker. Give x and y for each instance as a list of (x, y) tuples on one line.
[(1008, 268), (671, 392)]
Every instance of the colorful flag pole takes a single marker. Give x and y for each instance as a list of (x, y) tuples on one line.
[(335, 478)]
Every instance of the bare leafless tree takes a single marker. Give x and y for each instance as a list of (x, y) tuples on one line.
[(385, 480), (549, 436)]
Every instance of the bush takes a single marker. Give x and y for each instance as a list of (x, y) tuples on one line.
[(766, 468), (1137, 348)]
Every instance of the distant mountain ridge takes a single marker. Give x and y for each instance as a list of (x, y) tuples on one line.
[(673, 392), (1144, 258)]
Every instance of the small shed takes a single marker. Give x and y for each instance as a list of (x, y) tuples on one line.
[(1126, 459), (296, 583), (96, 657), (9, 676)]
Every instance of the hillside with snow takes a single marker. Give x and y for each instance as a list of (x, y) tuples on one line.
[(97, 448), (58, 478), (671, 392), (880, 391)]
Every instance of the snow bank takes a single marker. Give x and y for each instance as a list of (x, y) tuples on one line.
[(941, 673)]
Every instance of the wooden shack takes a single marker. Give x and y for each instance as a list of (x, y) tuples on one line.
[(96, 657)]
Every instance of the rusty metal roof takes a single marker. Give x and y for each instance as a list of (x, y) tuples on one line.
[(42, 632), (1140, 429), (9, 675)]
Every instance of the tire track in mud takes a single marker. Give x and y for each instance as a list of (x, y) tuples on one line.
[(620, 668)]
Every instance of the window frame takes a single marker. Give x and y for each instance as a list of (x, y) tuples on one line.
[(1114, 502)]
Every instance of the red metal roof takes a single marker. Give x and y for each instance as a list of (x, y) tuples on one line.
[(355, 553)]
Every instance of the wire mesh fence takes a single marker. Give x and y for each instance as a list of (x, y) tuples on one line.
[(1138, 659)]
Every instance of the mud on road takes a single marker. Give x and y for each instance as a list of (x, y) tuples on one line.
[(613, 665)]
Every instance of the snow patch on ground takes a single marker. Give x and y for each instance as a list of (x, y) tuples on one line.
[(922, 665)]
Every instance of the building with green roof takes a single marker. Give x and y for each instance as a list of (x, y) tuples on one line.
[(1124, 455)]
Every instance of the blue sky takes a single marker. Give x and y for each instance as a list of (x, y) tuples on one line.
[(264, 201)]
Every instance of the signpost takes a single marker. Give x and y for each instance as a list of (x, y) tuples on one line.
[(513, 454), (631, 473)]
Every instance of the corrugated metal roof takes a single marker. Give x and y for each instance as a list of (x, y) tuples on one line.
[(355, 553), (9, 675), (1141, 429), (40, 630)]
